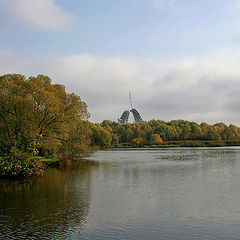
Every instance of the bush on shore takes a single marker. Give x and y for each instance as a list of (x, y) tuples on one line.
[(18, 163)]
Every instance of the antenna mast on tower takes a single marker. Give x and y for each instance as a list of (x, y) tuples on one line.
[(130, 98)]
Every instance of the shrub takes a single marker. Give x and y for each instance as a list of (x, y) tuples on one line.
[(18, 163)]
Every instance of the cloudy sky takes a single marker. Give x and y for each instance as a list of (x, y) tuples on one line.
[(179, 58)]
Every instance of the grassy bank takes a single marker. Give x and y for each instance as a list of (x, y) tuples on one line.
[(47, 161)]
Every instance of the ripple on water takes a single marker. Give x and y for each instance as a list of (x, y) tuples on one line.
[(190, 193)]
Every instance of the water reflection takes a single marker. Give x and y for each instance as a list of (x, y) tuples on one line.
[(48, 206), (175, 194), (166, 194)]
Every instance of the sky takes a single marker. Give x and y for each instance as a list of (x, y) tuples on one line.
[(180, 59)]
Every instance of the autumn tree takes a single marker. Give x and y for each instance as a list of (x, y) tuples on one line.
[(138, 141), (155, 139), (37, 116), (100, 136)]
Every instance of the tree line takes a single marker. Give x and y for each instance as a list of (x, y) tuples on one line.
[(158, 132)]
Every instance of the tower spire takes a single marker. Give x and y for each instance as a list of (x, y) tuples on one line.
[(130, 98)]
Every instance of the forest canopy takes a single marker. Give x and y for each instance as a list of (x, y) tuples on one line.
[(158, 132)]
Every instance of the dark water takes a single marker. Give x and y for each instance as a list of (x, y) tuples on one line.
[(164, 194)]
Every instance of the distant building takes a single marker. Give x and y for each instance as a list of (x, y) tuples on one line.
[(125, 115)]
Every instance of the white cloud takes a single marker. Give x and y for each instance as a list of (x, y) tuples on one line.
[(41, 14), (204, 89)]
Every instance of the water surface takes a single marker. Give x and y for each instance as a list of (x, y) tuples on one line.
[(176, 193)]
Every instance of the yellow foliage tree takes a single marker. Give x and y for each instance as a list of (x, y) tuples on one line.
[(138, 141), (156, 139)]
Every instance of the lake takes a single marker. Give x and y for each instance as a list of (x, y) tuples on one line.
[(173, 193)]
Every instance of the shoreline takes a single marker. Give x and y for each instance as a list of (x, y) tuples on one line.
[(56, 163), (183, 143)]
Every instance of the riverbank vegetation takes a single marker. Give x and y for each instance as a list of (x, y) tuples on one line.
[(155, 133), (41, 124)]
